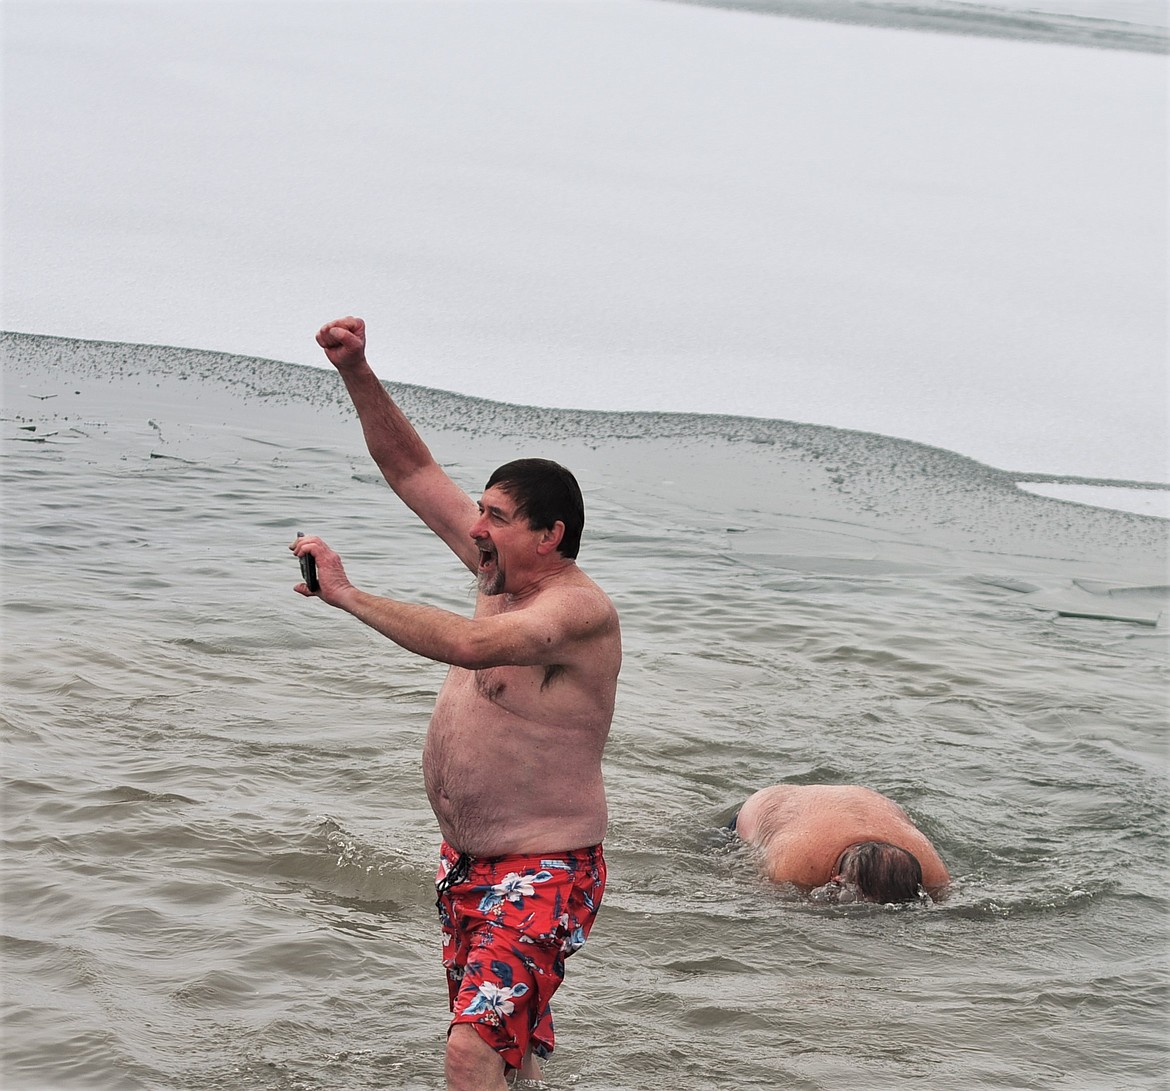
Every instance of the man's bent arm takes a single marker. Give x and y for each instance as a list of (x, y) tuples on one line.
[(396, 447), (474, 643)]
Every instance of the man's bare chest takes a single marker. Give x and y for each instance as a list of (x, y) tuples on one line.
[(510, 686)]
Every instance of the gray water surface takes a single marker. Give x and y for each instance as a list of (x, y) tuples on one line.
[(218, 853)]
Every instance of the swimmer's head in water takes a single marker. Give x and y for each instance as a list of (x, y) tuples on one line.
[(835, 892), (874, 871)]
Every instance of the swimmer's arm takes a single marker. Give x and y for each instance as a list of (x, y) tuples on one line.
[(935, 877)]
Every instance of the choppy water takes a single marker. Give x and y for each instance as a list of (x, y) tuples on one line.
[(218, 853)]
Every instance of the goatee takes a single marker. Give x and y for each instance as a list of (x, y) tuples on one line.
[(490, 583)]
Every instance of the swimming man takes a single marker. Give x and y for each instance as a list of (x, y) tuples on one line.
[(841, 842)]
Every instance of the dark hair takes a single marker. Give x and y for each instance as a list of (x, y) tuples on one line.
[(545, 493), (882, 872)]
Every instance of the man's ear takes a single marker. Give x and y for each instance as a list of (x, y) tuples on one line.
[(550, 538)]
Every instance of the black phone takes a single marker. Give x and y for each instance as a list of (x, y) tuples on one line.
[(308, 568)]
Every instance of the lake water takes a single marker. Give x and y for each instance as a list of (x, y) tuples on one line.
[(218, 852)]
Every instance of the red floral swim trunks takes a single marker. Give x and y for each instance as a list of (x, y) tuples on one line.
[(509, 923)]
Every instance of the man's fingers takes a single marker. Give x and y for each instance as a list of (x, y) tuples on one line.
[(335, 337)]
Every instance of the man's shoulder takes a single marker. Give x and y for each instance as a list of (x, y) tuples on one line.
[(569, 600), (585, 617), (596, 607), (572, 585)]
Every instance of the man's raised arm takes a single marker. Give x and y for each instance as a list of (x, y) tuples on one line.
[(400, 453)]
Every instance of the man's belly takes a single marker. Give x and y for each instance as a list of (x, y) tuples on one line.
[(500, 782)]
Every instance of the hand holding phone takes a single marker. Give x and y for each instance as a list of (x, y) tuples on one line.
[(308, 568)]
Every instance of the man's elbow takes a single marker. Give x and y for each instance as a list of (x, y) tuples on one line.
[(476, 652), (473, 654)]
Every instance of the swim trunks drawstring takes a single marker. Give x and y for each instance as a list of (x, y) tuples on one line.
[(456, 874)]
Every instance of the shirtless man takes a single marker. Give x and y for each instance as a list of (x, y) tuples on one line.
[(842, 842), (512, 759)]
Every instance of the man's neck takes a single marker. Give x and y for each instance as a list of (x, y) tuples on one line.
[(538, 581)]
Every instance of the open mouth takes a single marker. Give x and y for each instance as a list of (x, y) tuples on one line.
[(489, 576)]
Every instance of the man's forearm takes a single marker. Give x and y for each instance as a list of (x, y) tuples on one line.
[(391, 439), (407, 463), (425, 630)]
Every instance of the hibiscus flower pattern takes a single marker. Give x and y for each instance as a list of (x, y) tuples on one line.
[(509, 923), (496, 999), (513, 888)]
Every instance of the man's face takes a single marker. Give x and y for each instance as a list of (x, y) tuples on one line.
[(505, 541)]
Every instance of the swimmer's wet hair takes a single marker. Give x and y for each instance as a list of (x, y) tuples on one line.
[(545, 493), (882, 872)]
